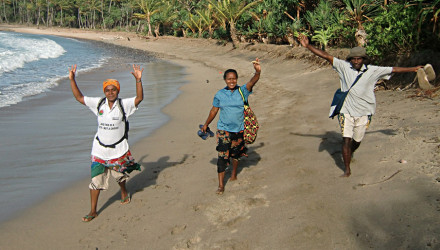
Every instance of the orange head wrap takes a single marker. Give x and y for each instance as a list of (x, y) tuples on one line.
[(111, 82)]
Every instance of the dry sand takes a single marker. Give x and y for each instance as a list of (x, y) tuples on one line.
[(288, 195)]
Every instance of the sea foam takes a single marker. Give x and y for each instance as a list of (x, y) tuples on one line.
[(15, 52)]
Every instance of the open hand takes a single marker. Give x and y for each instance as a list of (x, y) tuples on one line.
[(137, 72)]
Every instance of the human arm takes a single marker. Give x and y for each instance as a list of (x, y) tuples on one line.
[(75, 90), (137, 73), (256, 76), (211, 116), (406, 69), (305, 43)]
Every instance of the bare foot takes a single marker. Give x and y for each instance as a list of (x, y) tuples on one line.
[(346, 174), (220, 190), (233, 178)]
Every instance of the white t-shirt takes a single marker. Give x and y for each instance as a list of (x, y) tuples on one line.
[(111, 128), (360, 100)]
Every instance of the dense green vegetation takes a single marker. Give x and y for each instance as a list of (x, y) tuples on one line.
[(383, 27)]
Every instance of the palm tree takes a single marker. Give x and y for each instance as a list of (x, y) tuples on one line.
[(149, 7), (64, 5), (230, 11), (361, 11), (323, 37), (208, 19), (4, 2), (164, 17), (430, 11)]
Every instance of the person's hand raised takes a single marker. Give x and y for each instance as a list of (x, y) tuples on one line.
[(72, 71), (137, 72), (257, 65)]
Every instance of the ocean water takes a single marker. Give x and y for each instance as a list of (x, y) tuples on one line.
[(45, 134)]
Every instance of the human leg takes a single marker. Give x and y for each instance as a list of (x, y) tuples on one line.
[(353, 131), (346, 155), (221, 187), (347, 125), (98, 183), (125, 196), (223, 146), (354, 145), (121, 179), (94, 194), (234, 170), (237, 150)]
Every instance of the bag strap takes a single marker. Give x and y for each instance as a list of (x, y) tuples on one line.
[(358, 77), (242, 96), (101, 102), (124, 119)]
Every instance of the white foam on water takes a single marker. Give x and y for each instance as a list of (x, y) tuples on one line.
[(33, 65), (14, 94), (17, 51)]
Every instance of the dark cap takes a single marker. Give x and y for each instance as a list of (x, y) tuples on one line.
[(357, 52)]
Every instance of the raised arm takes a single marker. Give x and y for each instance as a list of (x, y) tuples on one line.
[(211, 116), (406, 69), (256, 76), (75, 90), (137, 73), (305, 43)]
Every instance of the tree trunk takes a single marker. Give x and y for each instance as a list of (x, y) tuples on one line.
[(156, 30), (210, 31), (361, 37), (102, 13), (234, 37), (47, 13), (4, 12), (38, 18), (79, 20), (61, 17), (149, 26)]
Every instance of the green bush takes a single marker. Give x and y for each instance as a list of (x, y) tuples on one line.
[(221, 34), (392, 32)]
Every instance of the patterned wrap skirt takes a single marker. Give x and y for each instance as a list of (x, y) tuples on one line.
[(123, 164), (229, 145)]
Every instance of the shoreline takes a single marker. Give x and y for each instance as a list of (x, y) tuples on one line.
[(288, 194), (23, 186)]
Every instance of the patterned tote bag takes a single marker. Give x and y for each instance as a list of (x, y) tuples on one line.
[(251, 125)]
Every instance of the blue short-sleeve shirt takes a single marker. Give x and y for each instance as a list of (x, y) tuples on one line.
[(231, 108)]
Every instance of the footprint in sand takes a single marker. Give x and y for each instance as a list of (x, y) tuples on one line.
[(178, 229), (229, 211)]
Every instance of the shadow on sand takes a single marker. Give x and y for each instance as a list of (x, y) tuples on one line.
[(331, 142), (146, 178), (245, 162)]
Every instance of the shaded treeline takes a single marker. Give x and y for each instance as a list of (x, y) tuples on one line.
[(383, 27)]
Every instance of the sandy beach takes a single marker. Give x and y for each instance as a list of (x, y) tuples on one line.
[(288, 194)]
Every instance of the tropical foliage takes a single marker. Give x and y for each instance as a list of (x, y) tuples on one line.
[(383, 27)]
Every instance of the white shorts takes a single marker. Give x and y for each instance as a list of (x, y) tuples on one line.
[(354, 127), (100, 182)]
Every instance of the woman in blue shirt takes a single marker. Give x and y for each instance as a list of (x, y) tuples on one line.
[(230, 143)]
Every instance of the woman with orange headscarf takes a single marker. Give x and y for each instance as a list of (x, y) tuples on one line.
[(110, 151)]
